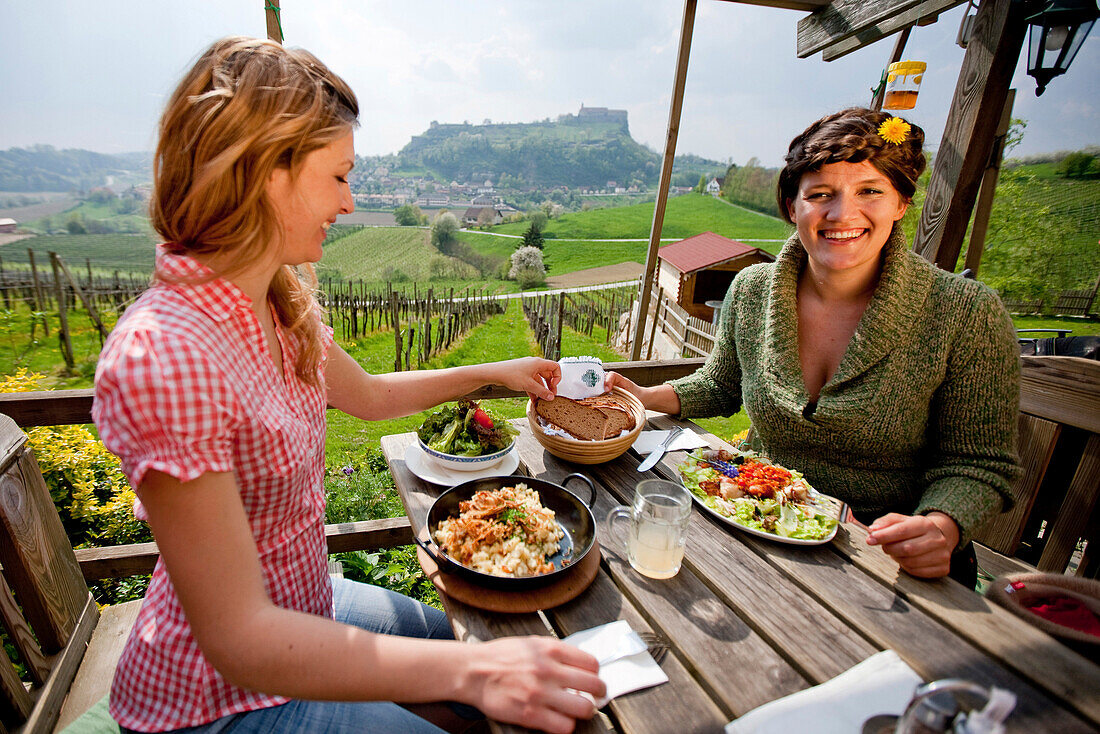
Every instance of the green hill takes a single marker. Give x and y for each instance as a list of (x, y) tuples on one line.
[(586, 150), (45, 168), (685, 216)]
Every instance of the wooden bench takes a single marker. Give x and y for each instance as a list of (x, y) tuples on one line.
[(1021, 306), (1074, 302), (1056, 496)]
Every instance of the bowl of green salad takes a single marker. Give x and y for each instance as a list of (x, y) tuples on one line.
[(466, 436)]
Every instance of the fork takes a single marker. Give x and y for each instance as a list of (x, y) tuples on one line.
[(656, 645)]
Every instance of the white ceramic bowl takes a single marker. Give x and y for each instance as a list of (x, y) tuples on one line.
[(465, 463)]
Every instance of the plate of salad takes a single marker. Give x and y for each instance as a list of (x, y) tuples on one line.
[(466, 436), (748, 491)]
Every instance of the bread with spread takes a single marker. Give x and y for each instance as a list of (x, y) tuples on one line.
[(590, 419)]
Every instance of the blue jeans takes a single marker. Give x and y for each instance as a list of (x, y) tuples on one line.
[(371, 608)]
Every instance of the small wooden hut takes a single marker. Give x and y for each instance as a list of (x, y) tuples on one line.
[(701, 268)]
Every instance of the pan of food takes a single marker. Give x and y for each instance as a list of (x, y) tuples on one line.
[(511, 532)]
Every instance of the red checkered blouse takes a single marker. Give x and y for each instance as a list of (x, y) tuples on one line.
[(185, 385)]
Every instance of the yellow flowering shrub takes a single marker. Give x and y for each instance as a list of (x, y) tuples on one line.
[(87, 485)]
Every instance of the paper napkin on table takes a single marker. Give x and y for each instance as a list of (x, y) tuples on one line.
[(581, 377), (649, 440), (881, 684), (625, 664)]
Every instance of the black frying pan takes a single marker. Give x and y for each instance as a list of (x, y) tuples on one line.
[(570, 511)]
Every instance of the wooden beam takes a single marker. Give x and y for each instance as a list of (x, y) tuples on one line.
[(807, 5), (1061, 389), (274, 20), (971, 126), (988, 188), (678, 84), (922, 14), (895, 57), (842, 19)]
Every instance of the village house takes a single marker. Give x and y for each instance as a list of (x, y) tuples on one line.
[(701, 268), (7, 225), (714, 186), (473, 215)]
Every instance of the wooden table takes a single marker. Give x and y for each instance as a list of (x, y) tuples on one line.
[(751, 620)]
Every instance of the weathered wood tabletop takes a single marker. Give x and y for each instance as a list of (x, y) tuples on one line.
[(749, 620)]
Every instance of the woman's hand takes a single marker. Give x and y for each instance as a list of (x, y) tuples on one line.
[(921, 544), (661, 398), (533, 681), (535, 376)]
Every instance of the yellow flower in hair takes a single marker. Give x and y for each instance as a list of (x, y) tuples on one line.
[(894, 130)]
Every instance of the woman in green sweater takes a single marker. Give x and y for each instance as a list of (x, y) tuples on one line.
[(891, 384)]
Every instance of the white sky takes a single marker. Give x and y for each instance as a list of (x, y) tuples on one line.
[(80, 74)]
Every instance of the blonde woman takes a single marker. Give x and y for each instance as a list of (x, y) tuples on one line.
[(212, 390), (888, 382)]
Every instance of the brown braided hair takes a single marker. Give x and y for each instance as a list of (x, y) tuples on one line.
[(851, 136)]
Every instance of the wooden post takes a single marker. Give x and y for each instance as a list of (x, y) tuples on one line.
[(987, 67), (39, 298), (653, 329), (666, 175), (395, 320), (88, 305), (557, 337), (3, 284), (274, 20), (984, 208), (63, 332)]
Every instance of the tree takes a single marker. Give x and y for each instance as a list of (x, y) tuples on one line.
[(538, 218), (1078, 165), (444, 229), (407, 215), (702, 185), (527, 267), (533, 238)]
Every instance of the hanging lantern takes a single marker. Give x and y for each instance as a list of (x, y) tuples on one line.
[(1055, 34)]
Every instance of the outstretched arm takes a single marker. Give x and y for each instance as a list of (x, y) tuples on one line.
[(396, 394), (257, 645)]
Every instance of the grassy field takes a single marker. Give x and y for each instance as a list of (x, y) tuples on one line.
[(685, 216)]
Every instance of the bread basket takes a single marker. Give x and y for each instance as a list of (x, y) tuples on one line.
[(590, 452)]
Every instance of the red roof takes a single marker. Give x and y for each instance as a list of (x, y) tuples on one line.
[(704, 250)]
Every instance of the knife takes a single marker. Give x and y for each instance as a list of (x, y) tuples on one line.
[(657, 453)]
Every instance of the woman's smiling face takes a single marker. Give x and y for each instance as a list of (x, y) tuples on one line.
[(844, 213)]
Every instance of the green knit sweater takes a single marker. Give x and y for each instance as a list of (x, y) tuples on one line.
[(921, 413)]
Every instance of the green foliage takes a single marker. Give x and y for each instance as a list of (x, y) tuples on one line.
[(752, 186), (1035, 248), (127, 253), (85, 480), (1079, 165), (408, 215), (443, 232), (533, 237)]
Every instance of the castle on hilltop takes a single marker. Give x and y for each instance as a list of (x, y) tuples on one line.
[(595, 114)]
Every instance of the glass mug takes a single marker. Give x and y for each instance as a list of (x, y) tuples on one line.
[(658, 527)]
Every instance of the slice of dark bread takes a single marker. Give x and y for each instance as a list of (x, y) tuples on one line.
[(590, 419)]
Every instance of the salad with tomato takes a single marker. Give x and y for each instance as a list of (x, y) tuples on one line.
[(466, 429), (748, 490)]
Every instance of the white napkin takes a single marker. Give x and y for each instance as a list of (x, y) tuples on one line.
[(649, 440), (881, 684), (625, 665), (581, 377)]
